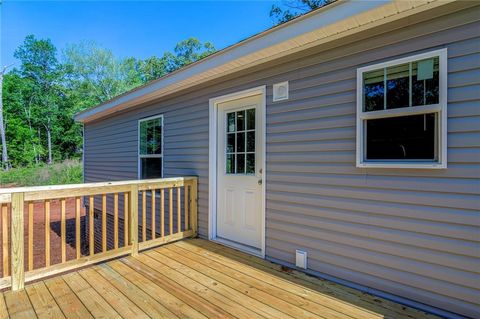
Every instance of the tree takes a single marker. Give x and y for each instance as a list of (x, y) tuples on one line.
[(23, 144), (97, 74), (153, 68), (186, 52), (294, 8), (5, 162), (41, 67), (41, 97)]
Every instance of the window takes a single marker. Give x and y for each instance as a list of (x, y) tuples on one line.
[(240, 146), (150, 147), (402, 112)]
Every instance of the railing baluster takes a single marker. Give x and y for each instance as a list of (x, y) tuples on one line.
[(153, 215), (5, 240), (134, 219), (47, 232), (104, 222), (185, 205), (63, 231), (179, 210), (144, 216), (30, 236), (170, 210), (77, 226), (115, 220), (17, 233), (162, 213), (126, 226), (91, 236)]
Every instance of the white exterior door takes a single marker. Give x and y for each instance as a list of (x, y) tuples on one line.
[(239, 171)]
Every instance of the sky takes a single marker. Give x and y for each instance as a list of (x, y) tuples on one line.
[(130, 28)]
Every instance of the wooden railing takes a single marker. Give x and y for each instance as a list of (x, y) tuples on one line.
[(108, 220)]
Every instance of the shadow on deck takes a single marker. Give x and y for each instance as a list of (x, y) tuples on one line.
[(194, 278)]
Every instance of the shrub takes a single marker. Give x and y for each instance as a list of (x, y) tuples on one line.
[(67, 172)]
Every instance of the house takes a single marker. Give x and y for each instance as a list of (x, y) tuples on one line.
[(345, 142)]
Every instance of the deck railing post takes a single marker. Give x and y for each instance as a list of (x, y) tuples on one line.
[(134, 219), (17, 237), (194, 206)]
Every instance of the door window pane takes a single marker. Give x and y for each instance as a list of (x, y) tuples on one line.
[(230, 167), (241, 142), (151, 167), (251, 119), (231, 143), (251, 141), (231, 122), (399, 138), (240, 163), (250, 164), (241, 121)]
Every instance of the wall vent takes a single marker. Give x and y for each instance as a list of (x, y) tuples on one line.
[(280, 91), (301, 259)]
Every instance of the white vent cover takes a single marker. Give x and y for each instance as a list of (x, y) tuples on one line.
[(280, 91), (301, 259)]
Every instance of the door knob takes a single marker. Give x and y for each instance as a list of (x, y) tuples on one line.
[(260, 181)]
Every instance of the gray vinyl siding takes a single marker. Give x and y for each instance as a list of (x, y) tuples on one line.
[(409, 232)]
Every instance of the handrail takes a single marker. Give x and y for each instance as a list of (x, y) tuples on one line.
[(174, 221), (43, 192)]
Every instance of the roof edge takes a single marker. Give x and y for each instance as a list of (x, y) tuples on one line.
[(329, 21)]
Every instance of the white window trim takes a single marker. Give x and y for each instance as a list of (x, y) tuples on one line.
[(440, 109), (139, 156)]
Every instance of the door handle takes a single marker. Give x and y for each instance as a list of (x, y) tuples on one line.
[(260, 181)]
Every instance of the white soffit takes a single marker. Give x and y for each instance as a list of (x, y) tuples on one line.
[(334, 21)]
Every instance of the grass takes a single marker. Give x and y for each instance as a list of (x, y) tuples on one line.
[(67, 172)]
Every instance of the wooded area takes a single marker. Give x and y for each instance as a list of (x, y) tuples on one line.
[(41, 95), (43, 92)]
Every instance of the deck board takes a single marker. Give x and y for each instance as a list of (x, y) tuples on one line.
[(3, 308), (194, 279), (124, 306), (247, 283), (43, 302), (66, 299), (150, 305), (18, 305), (254, 307)]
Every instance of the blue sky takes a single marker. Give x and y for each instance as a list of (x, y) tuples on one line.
[(138, 29)]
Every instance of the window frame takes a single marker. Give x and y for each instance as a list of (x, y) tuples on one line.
[(140, 156), (439, 109)]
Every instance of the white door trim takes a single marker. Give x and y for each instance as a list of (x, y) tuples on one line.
[(212, 159)]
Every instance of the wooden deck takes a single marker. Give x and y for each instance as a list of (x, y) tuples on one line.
[(193, 279)]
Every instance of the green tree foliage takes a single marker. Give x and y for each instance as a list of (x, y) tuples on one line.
[(96, 74), (188, 51), (39, 65), (43, 93), (290, 9)]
